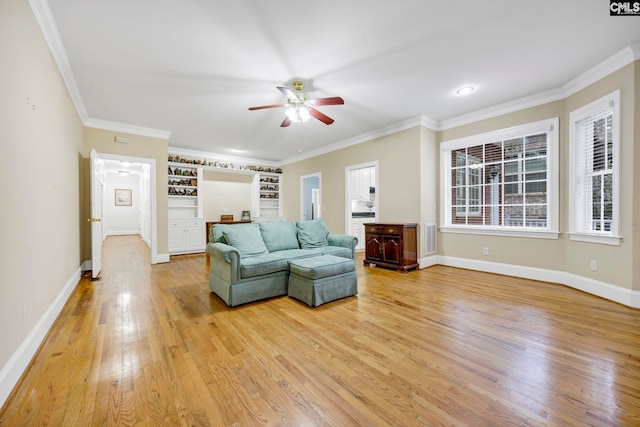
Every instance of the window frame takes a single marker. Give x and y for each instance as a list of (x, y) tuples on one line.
[(550, 128), (597, 107)]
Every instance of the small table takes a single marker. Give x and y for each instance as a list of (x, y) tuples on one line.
[(322, 279)]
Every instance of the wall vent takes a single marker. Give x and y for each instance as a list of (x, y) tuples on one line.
[(430, 235)]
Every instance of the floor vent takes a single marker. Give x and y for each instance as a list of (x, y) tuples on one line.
[(430, 235)]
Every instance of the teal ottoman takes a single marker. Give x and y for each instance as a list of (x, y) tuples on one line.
[(322, 279)]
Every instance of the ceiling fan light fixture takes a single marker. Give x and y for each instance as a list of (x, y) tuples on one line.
[(298, 113)]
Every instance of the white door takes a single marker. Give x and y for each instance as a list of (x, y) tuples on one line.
[(96, 214)]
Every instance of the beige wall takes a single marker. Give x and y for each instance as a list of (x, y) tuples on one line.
[(614, 262), (399, 179), (41, 146), (635, 221), (103, 141), (228, 191)]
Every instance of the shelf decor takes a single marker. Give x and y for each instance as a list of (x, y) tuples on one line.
[(122, 197)]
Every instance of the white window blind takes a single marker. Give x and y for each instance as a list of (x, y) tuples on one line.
[(594, 152)]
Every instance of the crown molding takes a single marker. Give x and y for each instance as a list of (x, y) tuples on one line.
[(47, 24), (615, 62), (126, 128), (603, 69), (378, 133)]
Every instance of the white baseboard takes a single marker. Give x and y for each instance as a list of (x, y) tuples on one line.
[(122, 232), (19, 361), (595, 287), (159, 258), (86, 265)]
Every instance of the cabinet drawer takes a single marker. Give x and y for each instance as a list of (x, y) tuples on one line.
[(177, 223), (195, 223), (395, 231), (372, 229)]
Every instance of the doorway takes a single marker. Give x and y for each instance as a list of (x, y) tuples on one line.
[(311, 196), (123, 194), (362, 199)]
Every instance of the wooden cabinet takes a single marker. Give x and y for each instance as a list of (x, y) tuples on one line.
[(391, 246)]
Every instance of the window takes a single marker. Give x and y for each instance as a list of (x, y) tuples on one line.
[(594, 147), (503, 182)]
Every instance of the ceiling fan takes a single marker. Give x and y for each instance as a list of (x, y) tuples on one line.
[(299, 107)]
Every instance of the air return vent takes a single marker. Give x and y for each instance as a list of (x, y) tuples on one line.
[(430, 234)]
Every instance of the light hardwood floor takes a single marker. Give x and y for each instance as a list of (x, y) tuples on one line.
[(150, 345)]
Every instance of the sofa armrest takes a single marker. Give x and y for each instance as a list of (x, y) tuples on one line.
[(345, 241), (225, 261)]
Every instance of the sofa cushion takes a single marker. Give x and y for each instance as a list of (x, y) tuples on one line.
[(247, 240), (216, 234), (263, 264), (337, 251), (312, 233), (279, 236)]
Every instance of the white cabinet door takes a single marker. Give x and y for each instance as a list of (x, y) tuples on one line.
[(176, 240)]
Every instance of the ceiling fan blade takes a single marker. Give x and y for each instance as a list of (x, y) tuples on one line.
[(287, 92), (262, 107), (321, 116), (286, 122), (335, 100)]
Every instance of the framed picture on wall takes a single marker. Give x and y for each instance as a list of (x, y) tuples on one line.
[(123, 197)]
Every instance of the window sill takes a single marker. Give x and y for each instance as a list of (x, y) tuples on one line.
[(596, 238), (530, 233)]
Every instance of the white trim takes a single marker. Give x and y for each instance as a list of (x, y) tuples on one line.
[(604, 290), (347, 192), (127, 128), (302, 193), (504, 108), (595, 238), (20, 360), (487, 231), (161, 258), (49, 29), (122, 233)]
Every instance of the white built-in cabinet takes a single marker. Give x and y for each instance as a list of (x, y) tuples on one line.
[(268, 192), (186, 224)]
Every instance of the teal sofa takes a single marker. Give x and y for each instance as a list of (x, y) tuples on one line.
[(250, 262)]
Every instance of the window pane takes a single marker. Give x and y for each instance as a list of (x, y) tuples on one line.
[(513, 216), (459, 157), (512, 167), (537, 164), (536, 216), (475, 155), (513, 149), (493, 152), (459, 177), (535, 197), (513, 199), (536, 145), (596, 201), (461, 196), (599, 145), (493, 215)]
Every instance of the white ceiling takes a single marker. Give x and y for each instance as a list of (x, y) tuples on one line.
[(193, 67)]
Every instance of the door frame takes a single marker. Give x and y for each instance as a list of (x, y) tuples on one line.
[(347, 191), (153, 220), (303, 193)]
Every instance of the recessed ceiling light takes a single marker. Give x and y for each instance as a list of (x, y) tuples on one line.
[(123, 173), (465, 90)]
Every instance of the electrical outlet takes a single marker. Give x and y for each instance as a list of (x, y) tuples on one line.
[(593, 265), (485, 251)]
